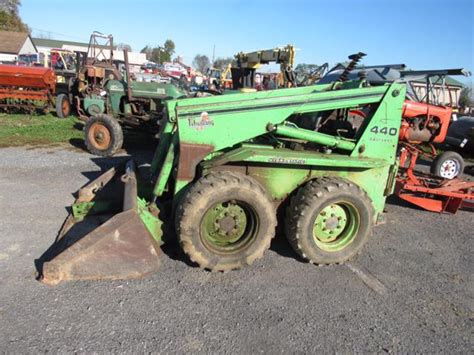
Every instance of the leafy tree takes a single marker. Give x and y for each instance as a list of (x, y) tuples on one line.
[(157, 55), (10, 6), (201, 62), (147, 50), (123, 46), (9, 17), (160, 54), (465, 99), (221, 63), (169, 47)]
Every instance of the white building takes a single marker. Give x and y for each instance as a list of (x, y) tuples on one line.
[(45, 45), (12, 44)]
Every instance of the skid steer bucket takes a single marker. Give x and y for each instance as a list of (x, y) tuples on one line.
[(110, 234)]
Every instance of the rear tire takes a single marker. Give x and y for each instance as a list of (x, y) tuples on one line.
[(225, 221), (103, 135), (63, 106), (448, 165), (329, 220)]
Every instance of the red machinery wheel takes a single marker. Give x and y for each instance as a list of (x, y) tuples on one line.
[(63, 106), (103, 135)]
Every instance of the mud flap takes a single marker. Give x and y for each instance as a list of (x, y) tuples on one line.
[(122, 247)]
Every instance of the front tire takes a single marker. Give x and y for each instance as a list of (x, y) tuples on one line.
[(63, 106), (448, 165), (225, 221), (103, 135), (329, 220)]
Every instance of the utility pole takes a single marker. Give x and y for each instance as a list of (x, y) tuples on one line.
[(213, 55), (159, 54)]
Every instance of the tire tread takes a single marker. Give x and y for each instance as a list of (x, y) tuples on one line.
[(300, 204), (215, 181)]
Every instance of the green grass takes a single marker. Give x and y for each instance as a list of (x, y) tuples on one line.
[(18, 130), (46, 130)]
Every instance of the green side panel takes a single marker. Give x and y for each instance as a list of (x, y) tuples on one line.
[(283, 170), (80, 210), (94, 104), (283, 180), (379, 137), (228, 120), (284, 156), (229, 123), (166, 167), (166, 137), (151, 221), (153, 224), (156, 90), (279, 182), (372, 181), (392, 178), (116, 90)]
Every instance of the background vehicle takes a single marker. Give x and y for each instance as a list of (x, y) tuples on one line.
[(34, 59), (243, 74), (220, 78), (108, 99), (461, 133)]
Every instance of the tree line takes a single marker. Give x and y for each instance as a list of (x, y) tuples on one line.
[(9, 17)]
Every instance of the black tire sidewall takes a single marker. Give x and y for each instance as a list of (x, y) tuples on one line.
[(190, 225), (59, 106), (307, 203), (116, 135), (440, 159)]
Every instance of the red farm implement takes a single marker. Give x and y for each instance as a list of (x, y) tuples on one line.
[(430, 192), (27, 88), (423, 125)]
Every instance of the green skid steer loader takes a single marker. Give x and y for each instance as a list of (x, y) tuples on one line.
[(222, 168)]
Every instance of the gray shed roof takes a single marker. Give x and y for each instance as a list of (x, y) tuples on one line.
[(11, 42)]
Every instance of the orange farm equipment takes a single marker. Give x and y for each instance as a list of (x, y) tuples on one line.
[(27, 88), (423, 125), (430, 192)]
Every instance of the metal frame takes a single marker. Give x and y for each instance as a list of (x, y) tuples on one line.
[(96, 50), (429, 192)]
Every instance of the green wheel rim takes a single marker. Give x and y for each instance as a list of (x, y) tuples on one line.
[(336, 226), (229, 226)]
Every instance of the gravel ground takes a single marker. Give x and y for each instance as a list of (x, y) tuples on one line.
[(411, 289)]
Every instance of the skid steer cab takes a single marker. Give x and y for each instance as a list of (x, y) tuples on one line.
[(224, 167)]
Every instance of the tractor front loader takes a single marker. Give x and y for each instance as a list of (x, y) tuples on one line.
[(223, 167)]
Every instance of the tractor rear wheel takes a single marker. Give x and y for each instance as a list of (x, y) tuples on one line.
[(63, 106), (448, 165), (225, 221), (103, 135), (329, 220)]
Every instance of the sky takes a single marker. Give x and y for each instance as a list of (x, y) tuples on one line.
[(423, 34)]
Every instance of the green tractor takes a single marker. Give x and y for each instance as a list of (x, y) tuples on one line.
[(107, 99), (225, 165), (122, 103)]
